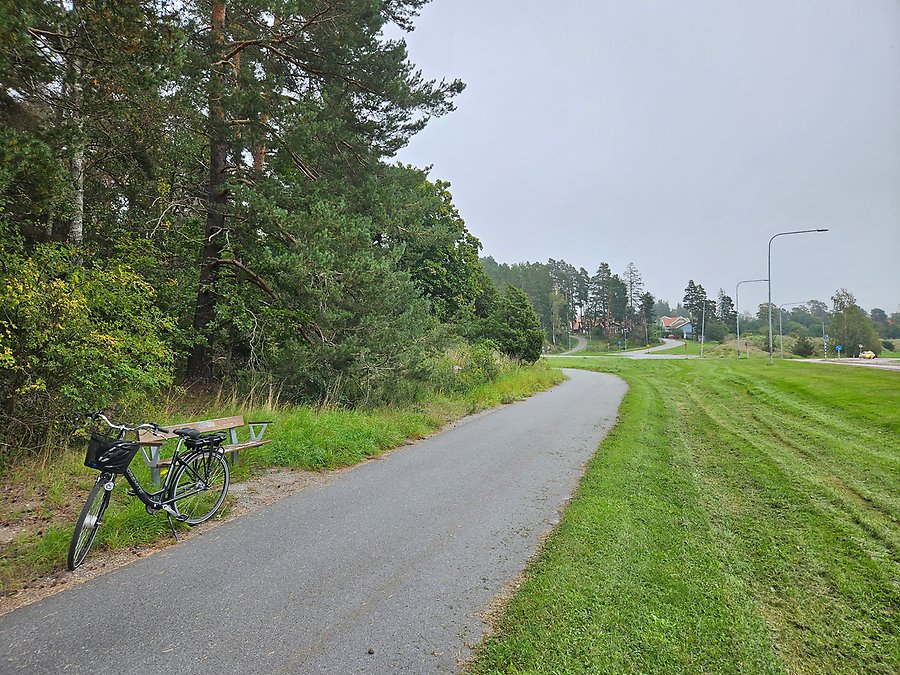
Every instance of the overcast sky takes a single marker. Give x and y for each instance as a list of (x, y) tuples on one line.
[(679, 135)]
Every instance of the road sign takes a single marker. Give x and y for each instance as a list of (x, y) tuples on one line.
[(619, 343), (838, 347)]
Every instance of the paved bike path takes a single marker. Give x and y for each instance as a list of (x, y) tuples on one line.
[(580, 345), (400, 557)]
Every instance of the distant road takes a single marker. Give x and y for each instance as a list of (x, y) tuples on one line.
[(649, 353), (580, 347), (883, 364), (388, 569), (638, 354)]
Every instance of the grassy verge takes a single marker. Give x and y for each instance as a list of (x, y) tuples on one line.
[(739, 518), (40, 501), (689, 347), (604, 348)]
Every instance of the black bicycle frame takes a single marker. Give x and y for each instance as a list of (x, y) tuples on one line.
[(153, 499)]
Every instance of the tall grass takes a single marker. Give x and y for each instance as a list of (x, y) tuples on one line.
[(43, 496)]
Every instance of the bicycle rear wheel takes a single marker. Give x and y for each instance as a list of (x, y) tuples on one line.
[(88, 523), (199, 486)]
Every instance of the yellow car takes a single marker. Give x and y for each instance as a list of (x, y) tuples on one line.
[(867, 355)]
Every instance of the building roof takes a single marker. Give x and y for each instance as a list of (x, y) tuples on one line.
[(673, 322)]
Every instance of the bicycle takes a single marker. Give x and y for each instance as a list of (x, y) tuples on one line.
[(194, 489)]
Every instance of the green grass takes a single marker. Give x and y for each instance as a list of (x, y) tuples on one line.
[(51, 494), (738, 518), (689, 347), (599, 348)]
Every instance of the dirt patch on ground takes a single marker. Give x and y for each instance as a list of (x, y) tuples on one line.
[(25, 509), (244, 497)]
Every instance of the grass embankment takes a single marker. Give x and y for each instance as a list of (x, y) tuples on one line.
[(604, 348), (738, 518), (40, 500), (711, 349), (689, 347)]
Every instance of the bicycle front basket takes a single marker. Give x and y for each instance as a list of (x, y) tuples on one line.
[(109, 454)]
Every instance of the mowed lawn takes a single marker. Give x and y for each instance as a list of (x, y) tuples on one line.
[(740, 517)]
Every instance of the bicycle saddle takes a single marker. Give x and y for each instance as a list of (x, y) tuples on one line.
[(187, 433)]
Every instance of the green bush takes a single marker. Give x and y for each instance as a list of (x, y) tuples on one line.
[(803, 346), (481, 366), (515, 326), (74, 337), (888, 345), (715, 330)]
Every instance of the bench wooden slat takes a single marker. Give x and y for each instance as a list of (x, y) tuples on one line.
[(150, 437), (226, 449), (237, 447)]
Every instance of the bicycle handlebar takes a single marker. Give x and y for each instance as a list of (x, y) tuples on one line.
[(124, 427)]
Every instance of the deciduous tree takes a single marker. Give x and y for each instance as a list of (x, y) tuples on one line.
[(850, 326)]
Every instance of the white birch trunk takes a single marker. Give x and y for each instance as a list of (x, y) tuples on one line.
[(76, 229)]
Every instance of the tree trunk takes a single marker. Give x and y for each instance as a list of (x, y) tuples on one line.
[(199, 364), (76, 228), (259, 151)]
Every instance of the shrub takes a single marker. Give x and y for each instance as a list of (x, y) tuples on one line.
[(888, 345), (481, 366), (516, 328), (715, 330), (803, 346), (73, 338)]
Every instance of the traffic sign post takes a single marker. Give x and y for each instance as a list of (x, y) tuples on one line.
[(838, 349)]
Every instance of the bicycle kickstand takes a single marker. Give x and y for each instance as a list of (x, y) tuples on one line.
[(173, 515)]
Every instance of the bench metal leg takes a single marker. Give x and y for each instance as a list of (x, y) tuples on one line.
[(151, 459), (257, 431), (234, 455)]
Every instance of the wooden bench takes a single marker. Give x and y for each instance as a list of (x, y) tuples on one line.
[(152, 441)]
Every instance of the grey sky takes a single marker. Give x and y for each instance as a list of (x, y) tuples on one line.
[(679, 135)]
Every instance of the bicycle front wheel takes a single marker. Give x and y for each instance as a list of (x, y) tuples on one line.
[(199, 486), (88, 523)]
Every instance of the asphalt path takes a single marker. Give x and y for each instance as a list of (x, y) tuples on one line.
[(882, 364), (635, 354), (389, 568), (581, 344), (650, 353)]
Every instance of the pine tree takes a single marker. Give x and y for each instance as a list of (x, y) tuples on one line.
[(725, 311), (647, 305), (317, 85), (634, 289)]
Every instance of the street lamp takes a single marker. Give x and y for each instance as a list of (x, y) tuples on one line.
[(737, 307), (780, 333), (703, 328), (769, 275)]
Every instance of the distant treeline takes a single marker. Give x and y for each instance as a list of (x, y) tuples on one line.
[(565, 296), (606, 304)]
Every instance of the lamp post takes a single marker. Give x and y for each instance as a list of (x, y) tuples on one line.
[(780, 333), (737, 307), (703, 328), (769, 275)]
